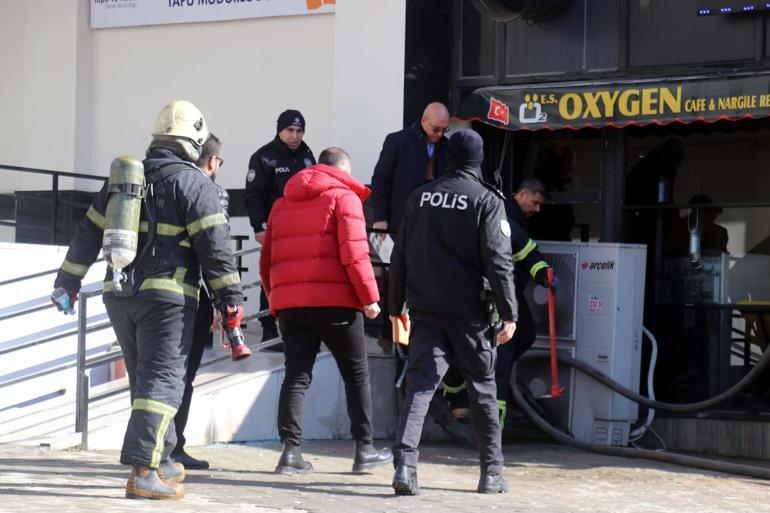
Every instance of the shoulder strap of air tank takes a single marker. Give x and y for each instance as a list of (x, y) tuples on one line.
[(167, 170)]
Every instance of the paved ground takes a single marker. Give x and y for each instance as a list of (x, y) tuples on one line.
[(545, 478)]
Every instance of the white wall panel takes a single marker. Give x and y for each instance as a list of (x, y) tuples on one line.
[(241, 74)]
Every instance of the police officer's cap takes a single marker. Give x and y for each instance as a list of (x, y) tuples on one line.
[(466, 149), (289, 118)]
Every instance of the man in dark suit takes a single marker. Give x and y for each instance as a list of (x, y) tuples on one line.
[(409, 158)]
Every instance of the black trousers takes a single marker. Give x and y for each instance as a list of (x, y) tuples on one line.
[(342, 330), (267, 322), (155, 338), (201, 338), (507, 354), (435, 342)]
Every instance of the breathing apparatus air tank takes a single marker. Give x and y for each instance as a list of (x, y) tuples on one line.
[(124, 208)]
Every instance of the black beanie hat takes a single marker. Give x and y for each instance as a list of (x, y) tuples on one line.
[(466, 149), (290, 118)]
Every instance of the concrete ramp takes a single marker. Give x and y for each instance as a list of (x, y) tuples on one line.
[(233, 401)]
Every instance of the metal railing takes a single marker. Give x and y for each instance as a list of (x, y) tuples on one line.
[(54, 200), (82, 363)]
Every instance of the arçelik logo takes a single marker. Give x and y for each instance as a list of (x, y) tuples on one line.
[(498, 111), (609, 265)]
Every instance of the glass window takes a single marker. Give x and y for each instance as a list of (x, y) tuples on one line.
[(477, 43), (699, 197), (569, 165)]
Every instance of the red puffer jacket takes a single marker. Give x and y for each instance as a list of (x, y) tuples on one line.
[(315, 251)]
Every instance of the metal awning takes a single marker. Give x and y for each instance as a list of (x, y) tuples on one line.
[(621, 103)]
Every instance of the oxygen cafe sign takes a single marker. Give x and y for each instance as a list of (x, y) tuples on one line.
[(575, 106), (131, 13)]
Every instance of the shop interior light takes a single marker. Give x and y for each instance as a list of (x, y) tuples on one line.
[(716, 7)]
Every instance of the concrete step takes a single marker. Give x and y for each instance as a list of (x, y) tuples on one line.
[(233, 401), (736, 437)]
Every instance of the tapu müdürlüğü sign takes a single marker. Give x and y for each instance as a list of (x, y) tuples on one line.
[(618, 104), (131, 13)]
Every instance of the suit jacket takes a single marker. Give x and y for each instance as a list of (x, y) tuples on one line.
[(402, 167)]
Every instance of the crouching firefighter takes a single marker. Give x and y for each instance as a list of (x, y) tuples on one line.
[(159, 223), (529, 265)]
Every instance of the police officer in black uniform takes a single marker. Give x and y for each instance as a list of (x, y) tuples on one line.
[(529, 265), (270, 167), (453, 239), (152, 309)]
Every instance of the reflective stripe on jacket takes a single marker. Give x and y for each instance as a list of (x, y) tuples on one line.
[(191, 234), (527, 259)]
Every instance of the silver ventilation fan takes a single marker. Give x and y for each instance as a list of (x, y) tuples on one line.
[(535, 376), (565, 269)]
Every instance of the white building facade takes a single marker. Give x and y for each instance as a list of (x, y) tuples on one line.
[(73, 97)]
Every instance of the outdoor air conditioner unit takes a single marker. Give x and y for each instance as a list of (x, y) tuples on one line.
[(599, 308)]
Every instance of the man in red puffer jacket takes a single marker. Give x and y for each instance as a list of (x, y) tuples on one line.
[(317, 275)]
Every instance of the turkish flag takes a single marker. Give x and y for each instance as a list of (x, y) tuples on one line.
[(498, 111)]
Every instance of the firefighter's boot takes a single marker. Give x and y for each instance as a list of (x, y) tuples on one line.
[(144, 483), (502, 411), (171, 472)]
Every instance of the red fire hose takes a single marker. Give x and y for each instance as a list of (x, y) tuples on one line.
[(556, 390)]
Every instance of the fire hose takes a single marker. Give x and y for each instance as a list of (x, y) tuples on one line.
[(678, 459)]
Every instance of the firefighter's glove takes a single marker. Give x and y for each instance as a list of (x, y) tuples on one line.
[(232, 315), (555, 284), (64, 300), (541, 278)]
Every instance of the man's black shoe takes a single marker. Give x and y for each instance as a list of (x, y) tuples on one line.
[(291, 461), (270, 332), (367, 457), (493, 483), (405, 481), (189, 462)]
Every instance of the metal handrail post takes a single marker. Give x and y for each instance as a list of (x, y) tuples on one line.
[(55, 199), (84, 381), (81, 392)]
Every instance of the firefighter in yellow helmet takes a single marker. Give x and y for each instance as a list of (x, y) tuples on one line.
[(152, 299)]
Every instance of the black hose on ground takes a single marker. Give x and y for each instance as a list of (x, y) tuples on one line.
[(586, 369), (666, 457)]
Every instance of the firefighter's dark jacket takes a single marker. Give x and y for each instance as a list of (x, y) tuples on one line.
[(527, 259), (454, 234), (192, 233), (270, 167)]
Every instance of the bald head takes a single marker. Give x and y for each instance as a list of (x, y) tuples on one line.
[(335, 157), (435, 121)]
